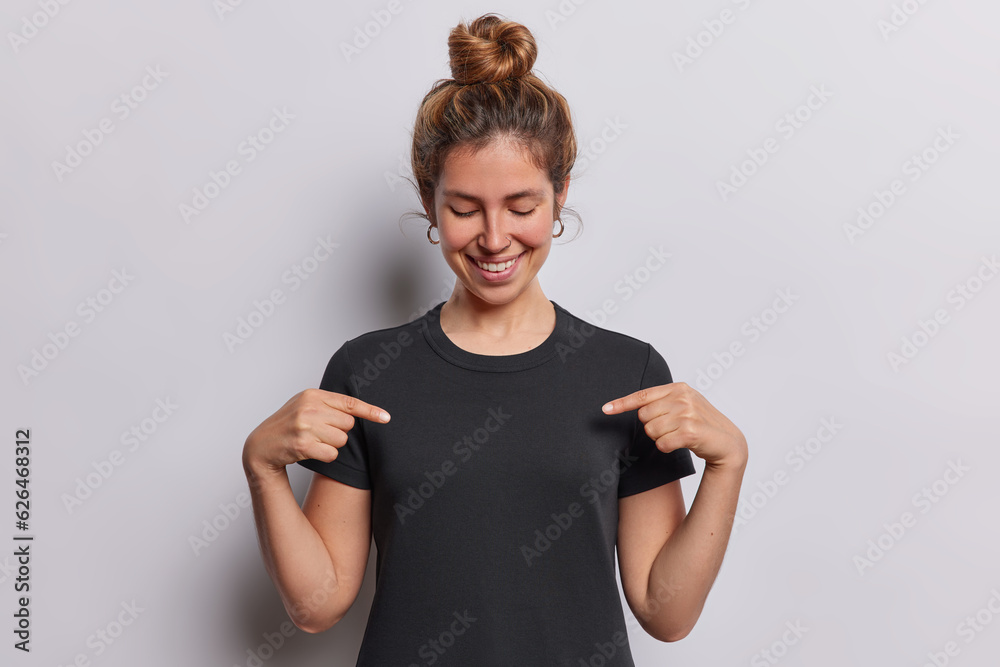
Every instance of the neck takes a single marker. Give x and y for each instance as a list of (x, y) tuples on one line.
[(464, 312)]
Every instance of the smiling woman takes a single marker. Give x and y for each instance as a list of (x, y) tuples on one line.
[(501, 491), (492, 152)]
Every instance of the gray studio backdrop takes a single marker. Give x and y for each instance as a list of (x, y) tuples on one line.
[(795, 202)]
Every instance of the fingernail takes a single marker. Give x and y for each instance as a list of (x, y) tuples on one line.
[(607, 407)]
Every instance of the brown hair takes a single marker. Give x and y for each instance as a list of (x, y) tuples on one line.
[(494, 95)]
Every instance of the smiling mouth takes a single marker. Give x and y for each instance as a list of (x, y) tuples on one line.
[(496, 267)]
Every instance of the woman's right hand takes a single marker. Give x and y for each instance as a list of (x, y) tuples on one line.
[(311, 425)]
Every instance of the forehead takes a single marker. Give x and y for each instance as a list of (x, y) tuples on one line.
[(496, 170)]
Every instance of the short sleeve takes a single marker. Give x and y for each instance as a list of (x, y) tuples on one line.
[(648, 466), (351, 464)]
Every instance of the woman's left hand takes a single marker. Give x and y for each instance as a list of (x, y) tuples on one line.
[(676, 415)]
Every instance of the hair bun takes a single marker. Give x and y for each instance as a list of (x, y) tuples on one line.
[(490, 49)]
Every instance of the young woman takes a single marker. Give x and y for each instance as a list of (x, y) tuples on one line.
[(502, 485)]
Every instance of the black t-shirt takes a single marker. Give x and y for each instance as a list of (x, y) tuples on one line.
[(495, 491)]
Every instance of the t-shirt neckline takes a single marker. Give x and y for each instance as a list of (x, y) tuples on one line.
[(452, 353)]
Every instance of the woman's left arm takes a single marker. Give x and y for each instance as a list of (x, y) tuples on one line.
[(669, 561)]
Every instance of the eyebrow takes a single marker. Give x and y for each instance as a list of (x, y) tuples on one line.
[(531, 192)]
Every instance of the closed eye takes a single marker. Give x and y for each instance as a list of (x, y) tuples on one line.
[(466, 214)]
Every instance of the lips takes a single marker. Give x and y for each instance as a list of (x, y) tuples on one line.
[(496, 271)]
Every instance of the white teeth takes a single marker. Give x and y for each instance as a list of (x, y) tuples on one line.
[(496, 267)]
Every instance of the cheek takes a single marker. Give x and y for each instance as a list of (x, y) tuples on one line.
[(536, 235), (454, 237)]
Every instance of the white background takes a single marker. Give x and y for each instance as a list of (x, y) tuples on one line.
[(683, 127)]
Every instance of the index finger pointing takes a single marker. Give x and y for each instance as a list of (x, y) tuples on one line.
[(355, 406), (632, 401)]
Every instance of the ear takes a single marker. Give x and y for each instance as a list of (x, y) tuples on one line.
[(561, 198), (429, 210)]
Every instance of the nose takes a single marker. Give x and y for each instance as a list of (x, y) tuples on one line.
[(493, 239)]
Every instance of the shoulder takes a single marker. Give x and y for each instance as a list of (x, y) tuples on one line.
[(609, 343), (377, 348), (361, 359), (387, 339)]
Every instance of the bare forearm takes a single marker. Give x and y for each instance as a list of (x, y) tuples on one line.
[(686, 567), (294, 554)]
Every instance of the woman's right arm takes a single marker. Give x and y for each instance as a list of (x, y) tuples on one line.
[(317, 554)]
